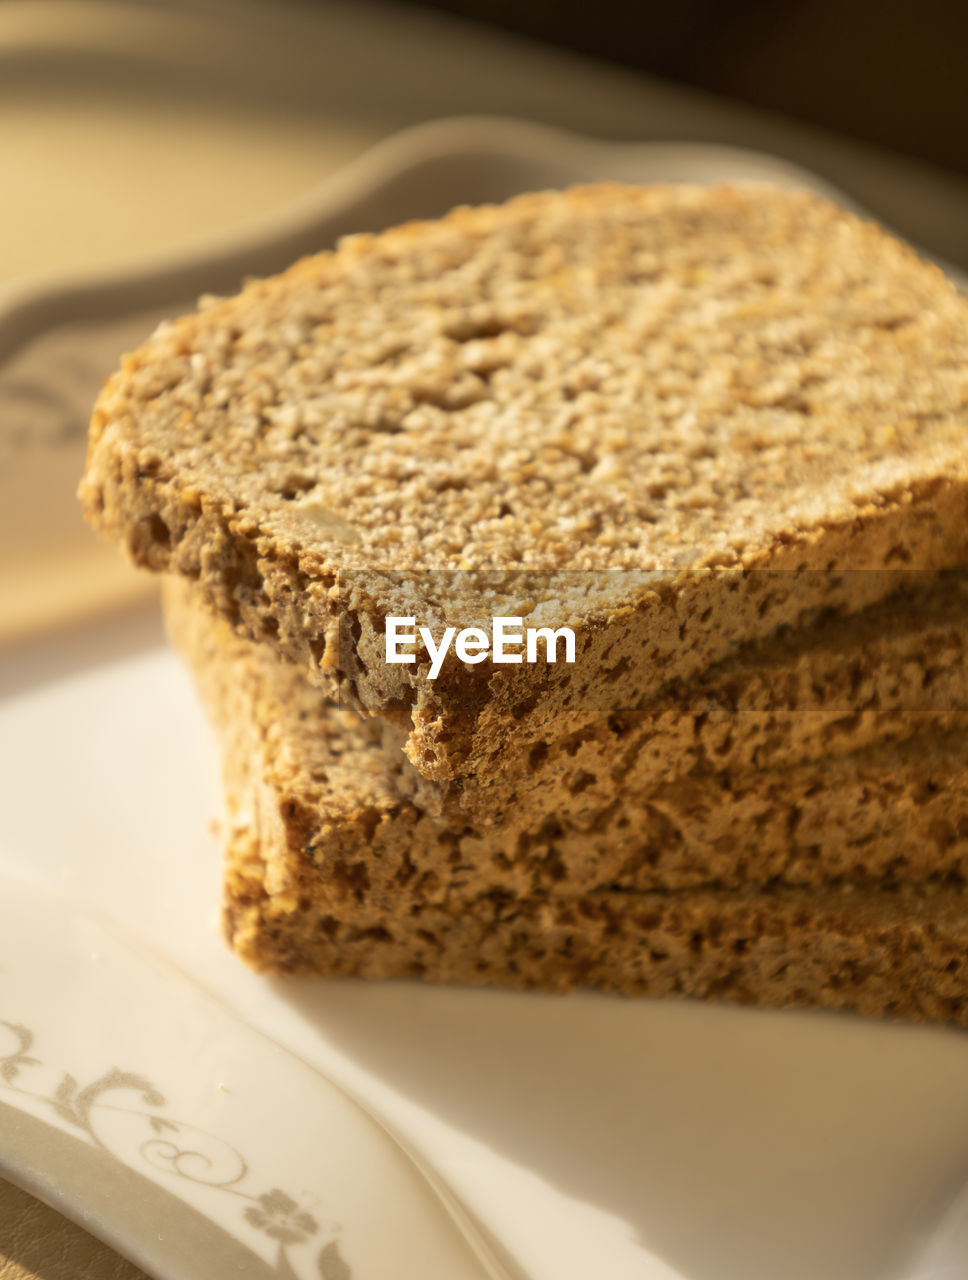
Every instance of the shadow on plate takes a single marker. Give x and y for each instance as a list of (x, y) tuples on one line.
[(732, 1144)]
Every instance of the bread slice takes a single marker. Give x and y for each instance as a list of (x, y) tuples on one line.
[(883, 949), (326, 803), (889, 952), (837, 685), (671, 418)]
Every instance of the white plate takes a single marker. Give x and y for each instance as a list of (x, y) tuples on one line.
[(245, 1160), (588, 1136)]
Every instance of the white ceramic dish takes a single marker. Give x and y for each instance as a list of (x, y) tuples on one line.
[(586, 1136), (212, 1150)]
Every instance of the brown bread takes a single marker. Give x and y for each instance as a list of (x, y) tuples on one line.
[(331, 822), (637, 412)]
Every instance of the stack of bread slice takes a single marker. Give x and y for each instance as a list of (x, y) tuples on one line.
[(721, 435)]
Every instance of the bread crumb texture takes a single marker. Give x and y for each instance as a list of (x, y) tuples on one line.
[(333, 821), (611, 377), (556, 409), (350, 897), (821, 690), (898, 954)]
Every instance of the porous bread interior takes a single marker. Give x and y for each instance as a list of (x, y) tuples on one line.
[(675, 377), (898, 953), (329, 799), (832, 686)]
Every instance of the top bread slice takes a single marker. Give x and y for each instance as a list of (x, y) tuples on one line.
[(671, 418)]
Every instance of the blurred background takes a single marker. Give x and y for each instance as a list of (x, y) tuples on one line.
[(171, 117), (892, 75), (140, 141)]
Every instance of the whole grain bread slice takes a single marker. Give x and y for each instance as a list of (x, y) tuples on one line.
[(896, 950), (325, 796), (672, 418), (822, 690), (896, 953)]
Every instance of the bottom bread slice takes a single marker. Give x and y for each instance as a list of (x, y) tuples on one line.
[(900, 953)]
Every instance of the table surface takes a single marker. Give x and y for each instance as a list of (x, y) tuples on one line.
[(297, 93)]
